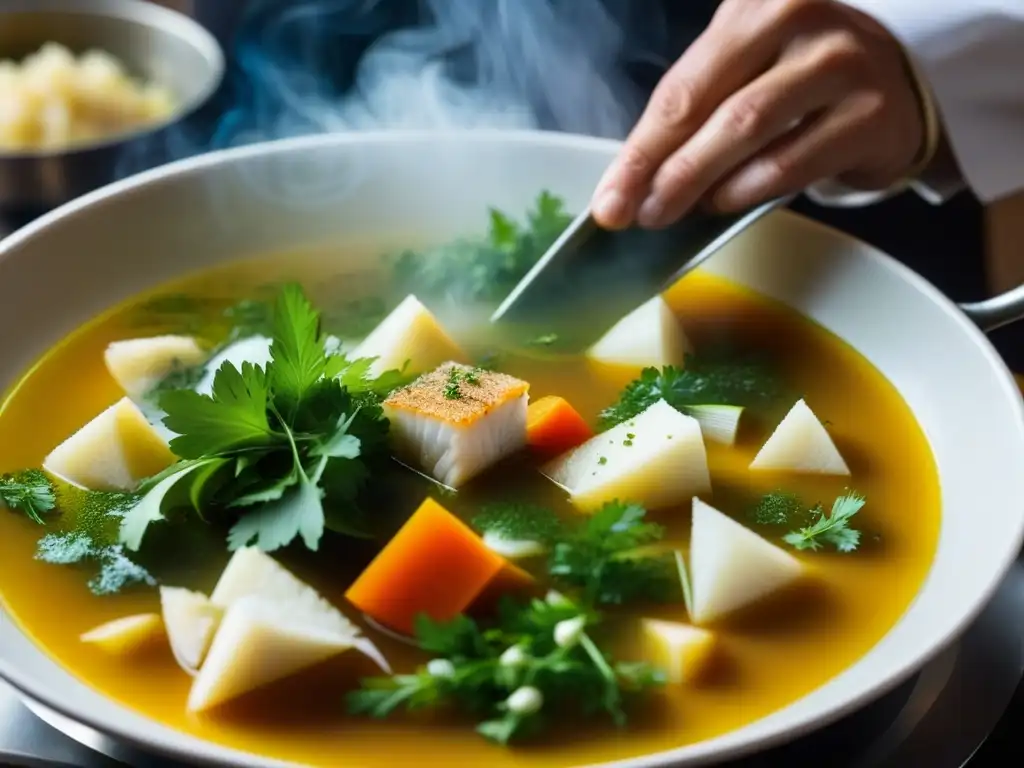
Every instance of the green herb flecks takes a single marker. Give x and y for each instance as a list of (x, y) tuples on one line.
[(29, 492), (272, 447), (89, 523), (777, 508), (459, 376), (699, 382), (471, 271), (830, 527), (539, 661)]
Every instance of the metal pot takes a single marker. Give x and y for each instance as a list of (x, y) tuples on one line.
[(155, 43)]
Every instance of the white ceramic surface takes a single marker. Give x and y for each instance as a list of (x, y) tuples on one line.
[(72, 264)]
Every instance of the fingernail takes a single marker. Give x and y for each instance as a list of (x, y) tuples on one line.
[(651, 212), (610, 206)]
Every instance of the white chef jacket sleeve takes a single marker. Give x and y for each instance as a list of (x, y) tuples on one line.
[(971, 52)]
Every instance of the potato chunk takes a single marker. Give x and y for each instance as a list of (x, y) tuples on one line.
[(138, 365), (682, 650), (800, 444), (731, 566), (410, 334), (650, 335), (125, 635), (113, 452), (656, 459)]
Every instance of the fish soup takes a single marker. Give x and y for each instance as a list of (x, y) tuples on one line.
[(322, 517)]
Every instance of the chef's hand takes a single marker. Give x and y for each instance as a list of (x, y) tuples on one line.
[(774, 96)]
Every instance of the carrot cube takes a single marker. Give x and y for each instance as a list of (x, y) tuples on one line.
[(435, 565), (553, 426)]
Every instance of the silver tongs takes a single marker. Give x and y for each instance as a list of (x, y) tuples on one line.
[(591, 277)]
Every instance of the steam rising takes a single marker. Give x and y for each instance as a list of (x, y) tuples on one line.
[(474, 63)]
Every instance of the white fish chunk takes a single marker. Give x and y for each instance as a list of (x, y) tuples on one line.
[(125, 635), (274, 625), (800, 444), (138, 365), (650, 335), (731, 566), (457, 421), (410, 334), (682, 650), (191, 620), (113, 452), (656, 459)]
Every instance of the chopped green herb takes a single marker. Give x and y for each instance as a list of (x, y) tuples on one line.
[(485, 270), (273, 445), (538, 662), (777, 508), (456, 377), (602, 460), (116, 570), (699, 382), (519, 522), (30, 492), (599, 558), (830, 528)]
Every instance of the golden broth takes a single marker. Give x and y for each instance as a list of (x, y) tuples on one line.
[(774, 655)]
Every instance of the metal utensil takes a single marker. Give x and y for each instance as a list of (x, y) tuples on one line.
[(155, 43), (600, 275)]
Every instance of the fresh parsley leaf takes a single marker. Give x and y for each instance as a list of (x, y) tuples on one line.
[(298, 512), (698, 382), (600, 558), (831, 528), (232, 418), (777, 508), (149, 509), (519, 522), (468, 271), (30, 492), (297, 351), (475, 671)]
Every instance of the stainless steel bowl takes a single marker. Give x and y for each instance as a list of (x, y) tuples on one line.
[(154, 43)]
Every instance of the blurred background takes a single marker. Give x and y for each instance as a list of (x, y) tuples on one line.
[(305, 66)]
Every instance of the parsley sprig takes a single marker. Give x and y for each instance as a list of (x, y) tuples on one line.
[(600, 556), (538, 662), (830, 527), (29, 492), (699, 382), (283, 451)]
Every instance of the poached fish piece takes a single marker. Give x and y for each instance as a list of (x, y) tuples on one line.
[(456, 421)]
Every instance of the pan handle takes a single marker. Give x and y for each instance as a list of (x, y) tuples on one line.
[(998, 311)]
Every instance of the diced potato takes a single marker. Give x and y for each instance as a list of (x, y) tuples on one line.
[(125, 635), (191, 620), (731, 566), (656, 459), (410, 334), (274, 626), (113, 452), (138, 365), (801, 444), (650, 335), (261, 641), (682, 650)]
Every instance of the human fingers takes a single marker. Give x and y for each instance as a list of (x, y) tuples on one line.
[(813, 76), (721, 61), (823, 148)]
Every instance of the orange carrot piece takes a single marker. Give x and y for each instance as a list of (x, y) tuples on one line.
[(435, 565), (512, 581), (554, 426)]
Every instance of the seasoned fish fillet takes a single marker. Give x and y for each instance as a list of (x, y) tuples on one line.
[(456, 421)]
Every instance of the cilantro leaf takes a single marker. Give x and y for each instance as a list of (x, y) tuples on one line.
[(30, 492), (232, 418), (830, 528), (149, 508), (298, 512), (297, 352), (699, 382)]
